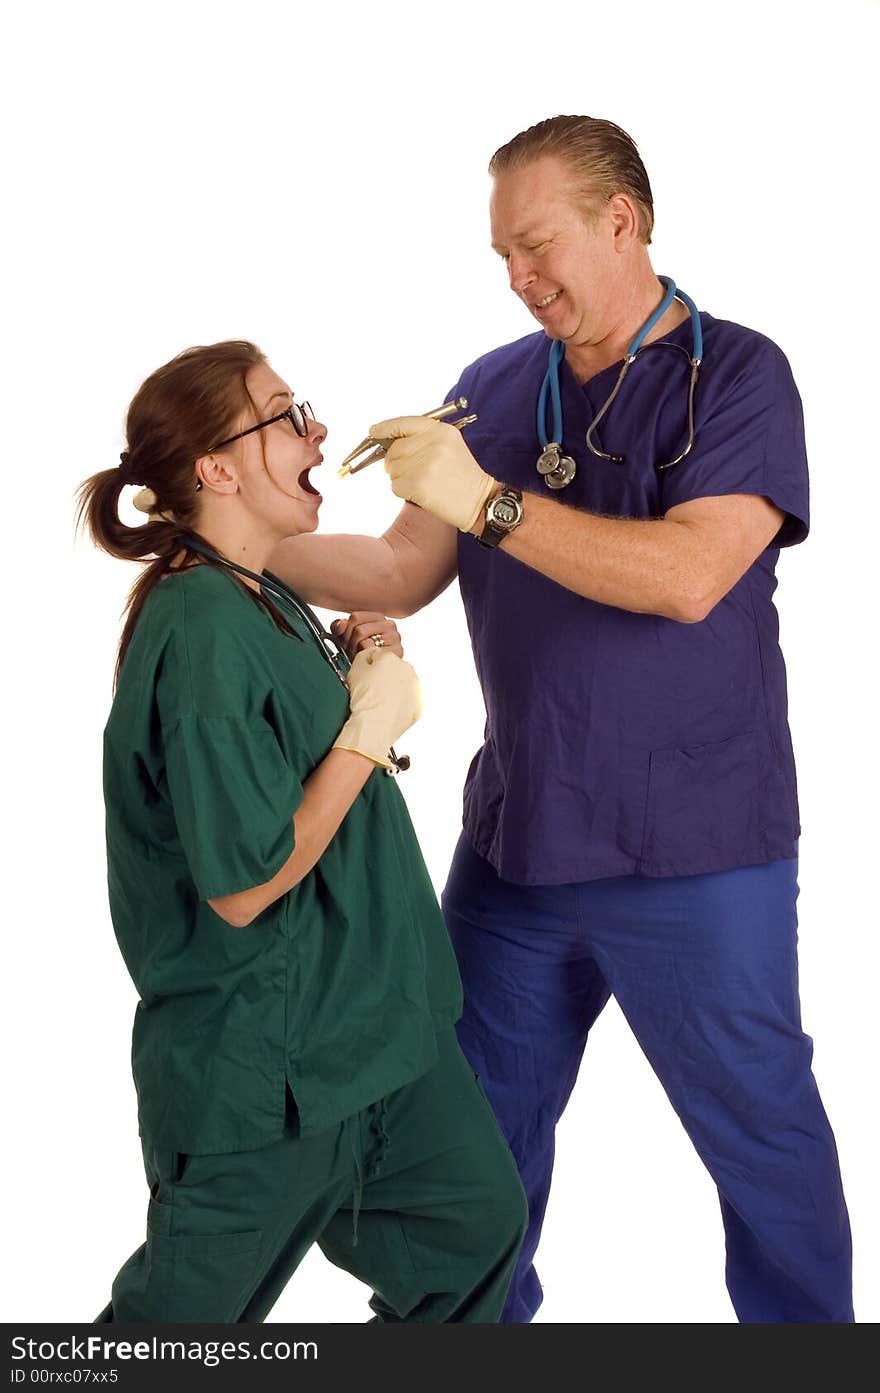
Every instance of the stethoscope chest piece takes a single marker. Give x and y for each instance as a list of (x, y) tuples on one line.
[(556, 469)]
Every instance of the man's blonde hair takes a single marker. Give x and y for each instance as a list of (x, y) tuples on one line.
[(603, 159)]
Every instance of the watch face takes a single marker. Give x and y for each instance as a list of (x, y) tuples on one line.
[(505, 511)]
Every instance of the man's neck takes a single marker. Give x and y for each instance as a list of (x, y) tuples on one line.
[(585, 360)]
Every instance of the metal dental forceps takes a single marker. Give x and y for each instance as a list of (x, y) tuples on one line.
[(380, 447)]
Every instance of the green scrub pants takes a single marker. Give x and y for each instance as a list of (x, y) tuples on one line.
[(418, 1195)]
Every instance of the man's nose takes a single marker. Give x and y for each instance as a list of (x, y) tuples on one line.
[(520, 273)]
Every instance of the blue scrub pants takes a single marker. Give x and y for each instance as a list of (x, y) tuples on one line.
[(704, 968)]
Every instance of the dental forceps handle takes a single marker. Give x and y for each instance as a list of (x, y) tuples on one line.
[(380, 447)]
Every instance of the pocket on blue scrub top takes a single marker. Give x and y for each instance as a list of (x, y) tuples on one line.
[(199, 1276), (703, 806)]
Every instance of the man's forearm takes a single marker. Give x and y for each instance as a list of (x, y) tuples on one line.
[(650, 566)]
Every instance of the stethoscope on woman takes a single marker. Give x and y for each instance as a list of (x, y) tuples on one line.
[(557, 469), (331, 649)]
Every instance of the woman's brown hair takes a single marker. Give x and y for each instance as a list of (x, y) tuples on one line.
[(174, 417)]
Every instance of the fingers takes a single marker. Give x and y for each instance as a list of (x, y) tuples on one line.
[(362, 636), (356, 632), (385, 699), (434, 445), (396, 427)]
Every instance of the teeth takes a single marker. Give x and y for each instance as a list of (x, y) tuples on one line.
[(548, 299)]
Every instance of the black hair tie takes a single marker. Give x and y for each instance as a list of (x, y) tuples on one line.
[(124, 462)]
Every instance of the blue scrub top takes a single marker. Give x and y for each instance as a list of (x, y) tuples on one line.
[(619, 743)]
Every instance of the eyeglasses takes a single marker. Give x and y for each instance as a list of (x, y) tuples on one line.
[(299, 417)]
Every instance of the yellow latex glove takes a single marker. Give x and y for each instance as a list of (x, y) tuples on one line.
[(385, 700), (429, 464)]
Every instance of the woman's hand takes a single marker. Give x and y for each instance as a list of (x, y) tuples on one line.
[(358, 631), (385, 699)]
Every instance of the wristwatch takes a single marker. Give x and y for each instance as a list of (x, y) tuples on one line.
[(504, 513)]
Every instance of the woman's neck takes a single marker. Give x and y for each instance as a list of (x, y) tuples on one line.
[(246, 547)]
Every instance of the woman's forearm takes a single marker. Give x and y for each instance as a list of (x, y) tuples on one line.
[(398, 573), (340, 572), (329, 792)]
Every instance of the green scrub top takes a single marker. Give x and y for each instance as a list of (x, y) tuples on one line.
[(218, 719)]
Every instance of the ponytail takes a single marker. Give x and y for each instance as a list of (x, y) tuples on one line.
[(160, 537)]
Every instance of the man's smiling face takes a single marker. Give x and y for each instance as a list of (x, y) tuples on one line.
[(561, 264)]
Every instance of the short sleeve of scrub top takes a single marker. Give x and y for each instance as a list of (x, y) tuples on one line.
[(750, 440), (234, 796), (233, 775)]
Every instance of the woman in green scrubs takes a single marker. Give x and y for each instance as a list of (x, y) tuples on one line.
[(294, 1054)]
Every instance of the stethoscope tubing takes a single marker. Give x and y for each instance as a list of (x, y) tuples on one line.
[(550, 387)]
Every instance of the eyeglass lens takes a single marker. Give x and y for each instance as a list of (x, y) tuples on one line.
[(300, 415)]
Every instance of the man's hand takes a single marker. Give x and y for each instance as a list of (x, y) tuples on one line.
[(429, 464), (356, 632)]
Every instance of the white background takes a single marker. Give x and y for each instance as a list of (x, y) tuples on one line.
[(314, 178)]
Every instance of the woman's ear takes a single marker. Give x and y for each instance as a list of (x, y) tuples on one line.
[(217, 473)]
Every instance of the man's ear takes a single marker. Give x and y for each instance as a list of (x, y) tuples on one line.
[(624, 220)]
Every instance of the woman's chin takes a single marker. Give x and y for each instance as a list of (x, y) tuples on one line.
[(304, 519)]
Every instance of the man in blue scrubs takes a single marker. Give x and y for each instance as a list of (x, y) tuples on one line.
[(631, 821)]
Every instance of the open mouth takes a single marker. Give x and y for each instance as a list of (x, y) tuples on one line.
[(305, 482)]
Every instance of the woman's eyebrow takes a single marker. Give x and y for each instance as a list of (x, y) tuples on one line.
[(274, 397)]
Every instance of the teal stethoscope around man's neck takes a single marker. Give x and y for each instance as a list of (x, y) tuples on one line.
[(557, 469)]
